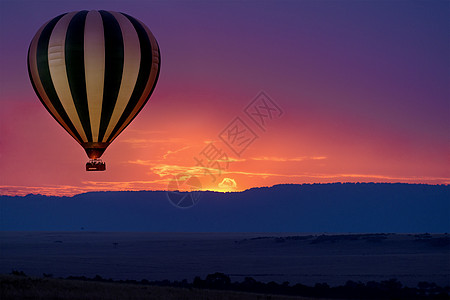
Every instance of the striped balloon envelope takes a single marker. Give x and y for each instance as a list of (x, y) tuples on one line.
[(94, 71)]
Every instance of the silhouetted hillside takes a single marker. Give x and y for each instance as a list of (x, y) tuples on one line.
[(365, 207)]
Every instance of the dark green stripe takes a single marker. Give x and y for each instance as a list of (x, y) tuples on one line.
[(143, 75), (45, 77), (114, 57), (74, 54)]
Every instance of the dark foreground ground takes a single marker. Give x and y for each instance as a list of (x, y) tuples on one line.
[(295, 258), (18, 287), (215, 286)]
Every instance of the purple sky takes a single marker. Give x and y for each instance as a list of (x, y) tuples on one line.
[(364, 84)]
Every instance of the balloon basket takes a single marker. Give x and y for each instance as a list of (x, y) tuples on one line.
[(95, 165)]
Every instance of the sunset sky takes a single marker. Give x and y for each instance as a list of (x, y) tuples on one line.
[(361, 90)]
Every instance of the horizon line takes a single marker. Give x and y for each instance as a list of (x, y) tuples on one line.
[(212, 190)]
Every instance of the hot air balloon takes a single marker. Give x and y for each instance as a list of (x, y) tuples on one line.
[(94, 71)]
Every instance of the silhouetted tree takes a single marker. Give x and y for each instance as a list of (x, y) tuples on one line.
[(18, 273), (218, 281), (198, 282)]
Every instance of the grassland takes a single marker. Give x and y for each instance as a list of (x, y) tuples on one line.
[(18, 287)]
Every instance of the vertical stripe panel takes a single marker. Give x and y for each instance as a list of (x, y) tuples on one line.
[(74, 59), (144, 73), (94, 66), (131, 65), (57, 67), (114, 56), (151, 81), (33, 73)]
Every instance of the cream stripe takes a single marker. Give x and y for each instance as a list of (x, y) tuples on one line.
[(150, 82), (57, 65), (38, 84), (94, 64), (131, 64)]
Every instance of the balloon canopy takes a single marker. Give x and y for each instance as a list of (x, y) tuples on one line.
[(94, 71)]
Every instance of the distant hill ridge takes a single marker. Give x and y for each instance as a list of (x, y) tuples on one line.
[(333, 207)]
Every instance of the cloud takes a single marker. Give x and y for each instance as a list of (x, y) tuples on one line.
[(86, 186), (126, 185), (146, 132), (283, 159), (145, 142), (175, 151), (170, 169), (164, 170), (60, 190), (339, 177), (142, 162), (232, 159)]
